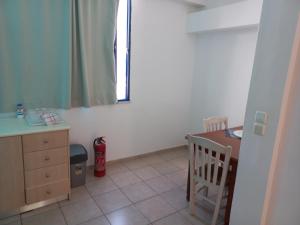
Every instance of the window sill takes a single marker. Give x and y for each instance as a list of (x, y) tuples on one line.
[(127, 101)]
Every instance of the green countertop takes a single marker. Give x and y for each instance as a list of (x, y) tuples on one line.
[(12, 126)]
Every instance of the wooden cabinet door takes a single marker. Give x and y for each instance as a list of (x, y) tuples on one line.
[(12, 194)]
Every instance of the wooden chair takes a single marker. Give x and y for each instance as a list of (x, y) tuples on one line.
[(215, 123), (209, 164)]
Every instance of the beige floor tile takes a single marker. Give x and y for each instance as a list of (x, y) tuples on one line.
[(155, 208), (101, 186), (174, 219), (133, 164), (13, 223), (146, 173), (112, 201), (97, 221), (183, 152), (90, 175), (172, 154), (181, 163), (116, 168), (203, 216), (39, 210), (81, 212), (153, 159), (124, 179), (184, 187), (168, 155), (77, 194), (160, 184), (179, 177), (176, 198), (12, 220), (138, 192), (165, 167), (127, 216), (51, 217), (186, 155), (207, 207)]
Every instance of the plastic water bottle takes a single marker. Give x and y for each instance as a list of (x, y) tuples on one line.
[(20, 111)]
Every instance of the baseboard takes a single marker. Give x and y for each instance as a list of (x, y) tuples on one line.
[(145, 154)]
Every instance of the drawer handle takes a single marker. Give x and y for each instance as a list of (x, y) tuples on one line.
[(47, 158), (45, 141), (47, 175), (48, 192)]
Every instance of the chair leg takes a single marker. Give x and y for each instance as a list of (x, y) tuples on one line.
[(192, 197), (205, 191), (217, 208)]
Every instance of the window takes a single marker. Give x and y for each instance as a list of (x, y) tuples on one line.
[(122, 49)]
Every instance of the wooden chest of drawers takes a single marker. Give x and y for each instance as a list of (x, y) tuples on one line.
[(44, 141), (34, 168), (48, 191), (41, 159), (11, 174), (46, 164), (42, 176)]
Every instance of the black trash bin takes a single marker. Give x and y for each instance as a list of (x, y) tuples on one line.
[(78, 158)]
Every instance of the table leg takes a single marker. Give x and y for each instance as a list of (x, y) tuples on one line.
[(231, 184), (188, 186)]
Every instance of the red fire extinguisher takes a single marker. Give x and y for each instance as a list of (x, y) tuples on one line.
[(100, 152)]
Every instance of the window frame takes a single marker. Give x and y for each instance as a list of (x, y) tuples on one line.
[(128, 55)]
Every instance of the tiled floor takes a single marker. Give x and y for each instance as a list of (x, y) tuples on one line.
[(147, 190)]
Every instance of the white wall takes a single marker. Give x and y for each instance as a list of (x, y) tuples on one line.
[(161, 73), (275, 41), (217, 3), (224, 62), (285, 191), (282, 201), (231, 16)]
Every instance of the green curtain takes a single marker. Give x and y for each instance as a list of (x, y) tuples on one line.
[(93, 65), (57, 53), (34, 54)]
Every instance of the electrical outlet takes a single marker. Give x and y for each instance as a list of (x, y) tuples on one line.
[(259, 129)]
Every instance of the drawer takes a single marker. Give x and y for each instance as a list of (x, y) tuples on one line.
[(42, 141), (47, 191), (46, 175), (41, 159)]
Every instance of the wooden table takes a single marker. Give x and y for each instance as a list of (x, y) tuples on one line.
[(220, 137)]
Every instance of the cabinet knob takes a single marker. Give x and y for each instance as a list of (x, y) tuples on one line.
[(47, 158), (48, 192), (47, 175)]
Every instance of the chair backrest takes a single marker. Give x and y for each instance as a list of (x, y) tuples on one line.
[(215, 123), (209, 161)]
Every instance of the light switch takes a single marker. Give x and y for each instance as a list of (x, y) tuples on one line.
[(261, 117), (259, 129)]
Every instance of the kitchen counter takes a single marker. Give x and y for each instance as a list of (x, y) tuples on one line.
[(12, 127)]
